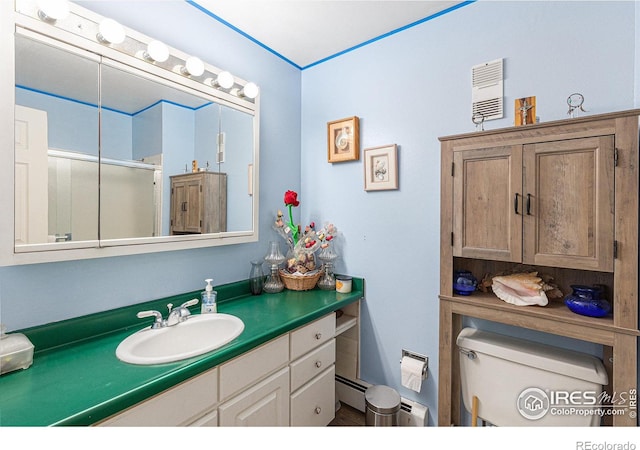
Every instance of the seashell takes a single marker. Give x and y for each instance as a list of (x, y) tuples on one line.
[(520, 289)]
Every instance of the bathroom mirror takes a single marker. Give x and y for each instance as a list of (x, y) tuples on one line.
[(98, 142)]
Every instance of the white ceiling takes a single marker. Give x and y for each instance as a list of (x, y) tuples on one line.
[(305, 32)]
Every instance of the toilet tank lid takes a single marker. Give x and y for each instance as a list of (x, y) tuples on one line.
[(546, 357)]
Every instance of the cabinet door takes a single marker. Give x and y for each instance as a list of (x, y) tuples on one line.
[(193, 209), (487, 204), (265, 404), (568, 190), (186, 204), (208, 420), (178, 199)]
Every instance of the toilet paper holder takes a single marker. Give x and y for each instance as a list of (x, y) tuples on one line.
[(417, 356)]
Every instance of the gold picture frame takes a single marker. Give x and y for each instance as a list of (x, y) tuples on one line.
[(381, 168), (343, 140)]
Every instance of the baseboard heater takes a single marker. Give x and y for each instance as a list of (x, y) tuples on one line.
[(351, 392)]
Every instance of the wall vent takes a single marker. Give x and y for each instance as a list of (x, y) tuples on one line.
[(487, 89)]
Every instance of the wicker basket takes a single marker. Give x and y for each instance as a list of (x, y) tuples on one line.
[(299, 282)]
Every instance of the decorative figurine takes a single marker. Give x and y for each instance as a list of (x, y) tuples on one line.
[(478, 120), (575, 101), (525, 111)]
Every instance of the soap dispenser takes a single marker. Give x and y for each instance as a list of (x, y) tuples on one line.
[(208, 302)]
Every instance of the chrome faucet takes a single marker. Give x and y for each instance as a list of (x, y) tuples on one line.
[(176, 316), (181, 313)]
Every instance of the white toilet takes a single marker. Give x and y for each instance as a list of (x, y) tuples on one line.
[(523, 383)]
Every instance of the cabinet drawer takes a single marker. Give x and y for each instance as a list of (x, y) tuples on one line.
[(174, 407), (307, 367), (247, 369), (314, 404), (312, 335)]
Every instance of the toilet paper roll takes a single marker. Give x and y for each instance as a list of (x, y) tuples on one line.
[(411, 370)]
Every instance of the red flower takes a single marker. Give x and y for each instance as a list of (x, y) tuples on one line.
[(291, 198)]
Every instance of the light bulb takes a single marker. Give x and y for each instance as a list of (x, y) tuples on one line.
[(157, 51), (225, 80), (193, 66), (250, 90), (110, 32), (52, 10)]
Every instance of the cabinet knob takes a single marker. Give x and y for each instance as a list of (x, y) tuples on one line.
[(318, 364), (318, 410), (318, 336)]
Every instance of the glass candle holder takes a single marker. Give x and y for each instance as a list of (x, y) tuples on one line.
[(275, 257), (327, 281)]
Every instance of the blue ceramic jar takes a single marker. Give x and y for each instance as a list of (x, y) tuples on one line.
[(587, 301)]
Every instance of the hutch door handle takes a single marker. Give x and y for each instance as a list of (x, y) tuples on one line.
[(515, 203), (528, 204)]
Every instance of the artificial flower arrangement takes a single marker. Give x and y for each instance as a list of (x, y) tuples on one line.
[(302, 245)]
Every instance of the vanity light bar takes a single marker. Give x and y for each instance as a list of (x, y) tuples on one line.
[(111, 33)]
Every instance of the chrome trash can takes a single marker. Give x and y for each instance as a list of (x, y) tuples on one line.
[(382, 407)]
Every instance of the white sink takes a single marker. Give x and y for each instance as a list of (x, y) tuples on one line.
[(197, 335)]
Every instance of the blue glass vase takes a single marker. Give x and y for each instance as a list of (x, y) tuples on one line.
[(464, 283), (587, 301)]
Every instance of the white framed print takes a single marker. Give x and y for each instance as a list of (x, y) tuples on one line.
[(381, 168)]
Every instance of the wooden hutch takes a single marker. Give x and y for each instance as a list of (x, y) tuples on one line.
[(561, 197)]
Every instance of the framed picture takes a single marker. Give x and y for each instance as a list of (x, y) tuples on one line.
[(381, 168), (343, 140)]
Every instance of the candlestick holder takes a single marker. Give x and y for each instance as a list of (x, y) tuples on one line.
[(275, 257), (328, 281)]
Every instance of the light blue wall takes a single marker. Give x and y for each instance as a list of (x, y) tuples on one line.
[(407, 89), (412, 87)]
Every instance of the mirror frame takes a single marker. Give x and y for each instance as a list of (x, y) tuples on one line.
[(24, 19)]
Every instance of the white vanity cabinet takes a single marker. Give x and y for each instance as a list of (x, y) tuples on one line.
[(313, 356), (191, 403)]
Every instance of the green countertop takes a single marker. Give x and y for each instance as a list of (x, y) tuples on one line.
[(76, 378)]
